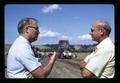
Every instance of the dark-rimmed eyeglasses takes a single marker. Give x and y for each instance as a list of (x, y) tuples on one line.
[(36, 28)]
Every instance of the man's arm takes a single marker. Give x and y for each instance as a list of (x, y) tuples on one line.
[(82, 64), (42, 72), (84, 71)]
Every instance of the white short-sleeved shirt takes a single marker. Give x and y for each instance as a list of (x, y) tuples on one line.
[(21, 59), (101, 62)]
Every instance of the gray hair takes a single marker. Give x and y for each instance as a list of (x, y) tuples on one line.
[(104, 24), (24, 22)]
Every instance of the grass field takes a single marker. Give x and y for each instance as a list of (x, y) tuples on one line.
[(82, 55), (6, 47)]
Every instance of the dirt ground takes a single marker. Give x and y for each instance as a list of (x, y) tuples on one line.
[(65, 69)]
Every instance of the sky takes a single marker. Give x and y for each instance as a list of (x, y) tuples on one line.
[(56, 22)]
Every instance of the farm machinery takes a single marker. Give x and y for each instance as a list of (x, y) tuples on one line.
[(64, 50)]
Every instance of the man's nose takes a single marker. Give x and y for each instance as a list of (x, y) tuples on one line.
[(38, 32), (90, 33)]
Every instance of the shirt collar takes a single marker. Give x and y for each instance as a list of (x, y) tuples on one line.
[(24, 39), (102, 42)]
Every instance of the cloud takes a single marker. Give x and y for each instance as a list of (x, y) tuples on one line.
[(59, 36), (49, 33), (85, 37), (64, 37), (51, 8)]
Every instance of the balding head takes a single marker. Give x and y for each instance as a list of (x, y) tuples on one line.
[(103, 24)]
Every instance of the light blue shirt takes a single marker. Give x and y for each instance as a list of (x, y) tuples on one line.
[(21, 59)]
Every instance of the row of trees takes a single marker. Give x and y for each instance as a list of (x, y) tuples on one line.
[(83, 48)]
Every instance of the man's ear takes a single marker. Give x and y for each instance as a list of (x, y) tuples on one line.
[(102, 31)]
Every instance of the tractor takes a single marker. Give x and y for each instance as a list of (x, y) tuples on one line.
[(64, 50)]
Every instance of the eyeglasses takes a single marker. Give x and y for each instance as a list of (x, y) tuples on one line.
[(36, 28)]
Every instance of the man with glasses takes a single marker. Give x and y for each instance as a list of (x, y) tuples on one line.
[(21, 60)]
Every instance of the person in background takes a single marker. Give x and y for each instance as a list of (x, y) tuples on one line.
[(21, 60), (101, 62)]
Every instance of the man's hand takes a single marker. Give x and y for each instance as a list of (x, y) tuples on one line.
[(52, 56), (29, 75), (82, 64)]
